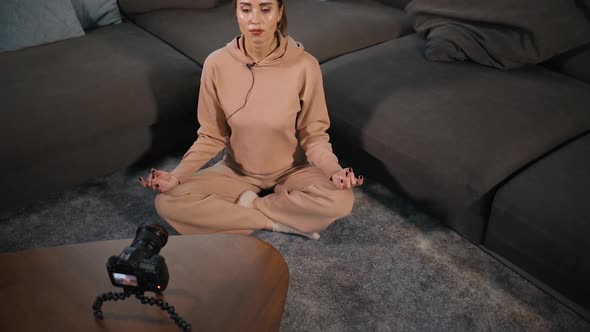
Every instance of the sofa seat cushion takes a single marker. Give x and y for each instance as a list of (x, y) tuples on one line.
[(48, 176), (540, 220), (68, 93), (326, 29), (450, 132)]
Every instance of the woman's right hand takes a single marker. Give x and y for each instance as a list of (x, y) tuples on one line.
[(345, 179), (160, 180)]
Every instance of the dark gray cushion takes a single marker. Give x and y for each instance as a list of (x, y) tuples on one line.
[(401, 4), (540, 220), (325, 28), (195, 33), (96, 13), (67, 94), (584, 5), (575, 63), (133, 7), (450, 132), (25, 23), (502, 33)]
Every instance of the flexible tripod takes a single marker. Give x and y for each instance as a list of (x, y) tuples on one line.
[(110, 296)]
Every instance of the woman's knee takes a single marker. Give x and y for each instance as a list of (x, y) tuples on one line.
[(335, 203), (162, 205), (343, 201), (177, 207)]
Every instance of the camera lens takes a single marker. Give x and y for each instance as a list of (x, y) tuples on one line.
[(150, 237)]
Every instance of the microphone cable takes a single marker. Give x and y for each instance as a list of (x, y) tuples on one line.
[(249, 65)]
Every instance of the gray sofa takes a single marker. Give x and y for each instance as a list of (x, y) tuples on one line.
[(84, 107), (502, 157)]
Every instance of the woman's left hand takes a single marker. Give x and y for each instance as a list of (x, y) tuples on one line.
[(345, 179)]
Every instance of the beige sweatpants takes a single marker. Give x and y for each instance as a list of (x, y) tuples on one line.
[(303, 198)]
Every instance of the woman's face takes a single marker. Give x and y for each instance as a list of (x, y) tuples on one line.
[(258, 19)]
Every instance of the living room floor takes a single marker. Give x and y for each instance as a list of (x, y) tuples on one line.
[(386, 267)]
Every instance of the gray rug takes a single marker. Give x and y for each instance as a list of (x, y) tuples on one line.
[(387, 267)]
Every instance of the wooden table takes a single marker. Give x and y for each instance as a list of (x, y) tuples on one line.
[(217, 283)]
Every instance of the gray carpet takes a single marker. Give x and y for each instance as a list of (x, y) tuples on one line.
[(387, 267)]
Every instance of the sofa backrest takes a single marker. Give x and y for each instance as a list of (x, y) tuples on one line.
[(133, 7)]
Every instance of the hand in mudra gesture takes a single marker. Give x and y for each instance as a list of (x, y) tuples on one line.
[(160, 180), (345, 179)]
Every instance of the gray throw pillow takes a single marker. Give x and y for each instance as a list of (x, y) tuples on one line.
[(132, 7), (575, 63), (26, 23), (96, 13), (584, 5), (503, 34)]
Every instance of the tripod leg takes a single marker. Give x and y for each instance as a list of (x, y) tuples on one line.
[(110, 296)]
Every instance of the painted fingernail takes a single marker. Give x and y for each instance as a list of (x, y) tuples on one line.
[(139, 178), (153, 170), (341, 181), (346, 173), (360, 177), (157, 186)]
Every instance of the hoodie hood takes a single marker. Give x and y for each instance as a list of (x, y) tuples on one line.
[(287, 50)]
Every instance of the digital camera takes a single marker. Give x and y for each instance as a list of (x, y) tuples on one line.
[(139, 268)]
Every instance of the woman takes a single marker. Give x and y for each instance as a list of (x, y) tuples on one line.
[(261, 98)]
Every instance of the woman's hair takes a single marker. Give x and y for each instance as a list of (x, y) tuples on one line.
[(282, 26)]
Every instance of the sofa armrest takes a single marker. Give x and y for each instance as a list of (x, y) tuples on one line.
[(134, 7)]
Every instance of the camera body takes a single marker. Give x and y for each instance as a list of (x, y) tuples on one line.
[(139, 268)]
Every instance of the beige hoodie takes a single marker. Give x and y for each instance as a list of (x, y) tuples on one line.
[(270, 115)]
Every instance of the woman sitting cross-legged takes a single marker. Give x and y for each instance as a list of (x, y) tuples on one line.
[(262, 100)]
